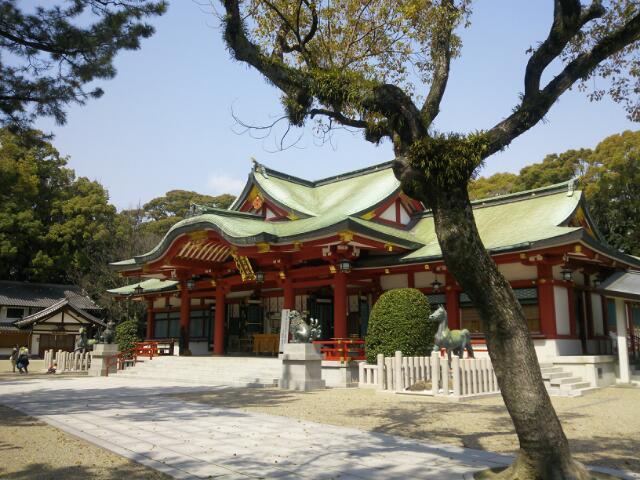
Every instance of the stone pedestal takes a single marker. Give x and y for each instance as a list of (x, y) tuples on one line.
[(102, 353), (301, 367), (340, 374)]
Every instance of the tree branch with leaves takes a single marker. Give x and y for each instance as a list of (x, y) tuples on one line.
[(54, 54)]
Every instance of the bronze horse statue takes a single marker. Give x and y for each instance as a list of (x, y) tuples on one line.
[(455, 341)]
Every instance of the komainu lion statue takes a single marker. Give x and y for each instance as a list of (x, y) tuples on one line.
[(301, 331)]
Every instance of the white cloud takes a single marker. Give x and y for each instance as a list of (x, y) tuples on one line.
[(221, 183)]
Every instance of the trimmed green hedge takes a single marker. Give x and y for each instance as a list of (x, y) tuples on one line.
[(400, 321), (127, 334)]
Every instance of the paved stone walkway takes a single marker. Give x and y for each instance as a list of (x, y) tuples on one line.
[(191, 441)]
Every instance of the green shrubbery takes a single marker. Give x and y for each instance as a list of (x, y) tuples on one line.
[(127, 334), (400, 321)]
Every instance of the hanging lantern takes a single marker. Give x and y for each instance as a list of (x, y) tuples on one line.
[(344, 265), (191, 284), (436, 285), (260, 276), (567, 274)]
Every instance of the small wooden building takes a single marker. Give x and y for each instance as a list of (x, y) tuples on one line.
[(44, 316)]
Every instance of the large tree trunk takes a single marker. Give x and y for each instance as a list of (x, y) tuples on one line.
[(544, 449)]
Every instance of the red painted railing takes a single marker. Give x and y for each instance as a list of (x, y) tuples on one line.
[(145, 349), (342, 349)]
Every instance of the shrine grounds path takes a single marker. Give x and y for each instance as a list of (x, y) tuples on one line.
[(603, 427), (217, 432)]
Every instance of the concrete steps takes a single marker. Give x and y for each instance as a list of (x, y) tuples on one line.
[(233, 371), (563, 384)]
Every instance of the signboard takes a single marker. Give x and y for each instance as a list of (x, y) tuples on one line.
[(284, 329)]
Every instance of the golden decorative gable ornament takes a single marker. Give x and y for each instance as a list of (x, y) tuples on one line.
[(244, 267), (257, 202)]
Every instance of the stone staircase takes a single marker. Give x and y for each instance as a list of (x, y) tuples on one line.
[(563, 384), (232, 371)]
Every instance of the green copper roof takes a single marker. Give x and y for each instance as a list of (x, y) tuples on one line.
[(152, 285), (525, 218), (332, 205), (346, 194), (242, 229)]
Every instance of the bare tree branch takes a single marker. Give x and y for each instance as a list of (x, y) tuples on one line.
[(568, 19), (283, 77), (387, 100), (534, 106), (339, 117), (441, 54)]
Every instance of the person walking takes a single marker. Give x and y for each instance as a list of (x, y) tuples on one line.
[(14, 358), (23, 360)]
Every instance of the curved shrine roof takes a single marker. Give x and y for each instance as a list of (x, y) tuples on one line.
[(509, 222)]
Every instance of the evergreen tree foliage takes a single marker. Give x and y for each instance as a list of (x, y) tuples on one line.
[(51, 53), (612, 187), (127, 334), (162, 213), (50, 221), (400, 321), (57, 228)]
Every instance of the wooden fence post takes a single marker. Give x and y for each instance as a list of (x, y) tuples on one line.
[(455, 366), (391, 377), (398, 374), (382, 380), (435, 373), (445, 377)]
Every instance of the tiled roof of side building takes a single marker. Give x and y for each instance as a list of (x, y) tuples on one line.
[(51, 310), (27, 294), (623, 285)]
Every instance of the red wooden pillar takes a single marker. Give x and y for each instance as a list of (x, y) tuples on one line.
[(185, 312), (546, 301), (150, 319), (289, 297), (453, 302), (340, 305), (218, 329)]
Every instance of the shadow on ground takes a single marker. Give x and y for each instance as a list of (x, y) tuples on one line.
[(476, 425), (40, 471)]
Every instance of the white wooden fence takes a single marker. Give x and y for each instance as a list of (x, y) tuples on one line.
[(461, 379), (67, 361)]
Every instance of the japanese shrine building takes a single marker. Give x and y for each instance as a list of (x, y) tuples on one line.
[(219, 279)]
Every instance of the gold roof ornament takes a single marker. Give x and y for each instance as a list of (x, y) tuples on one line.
[(346, 236), (244, 267), (263, 247)]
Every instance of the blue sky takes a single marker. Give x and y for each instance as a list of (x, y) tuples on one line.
[(165, 121)]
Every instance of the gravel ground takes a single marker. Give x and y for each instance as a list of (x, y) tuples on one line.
[(32, 450), (603, 427)]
